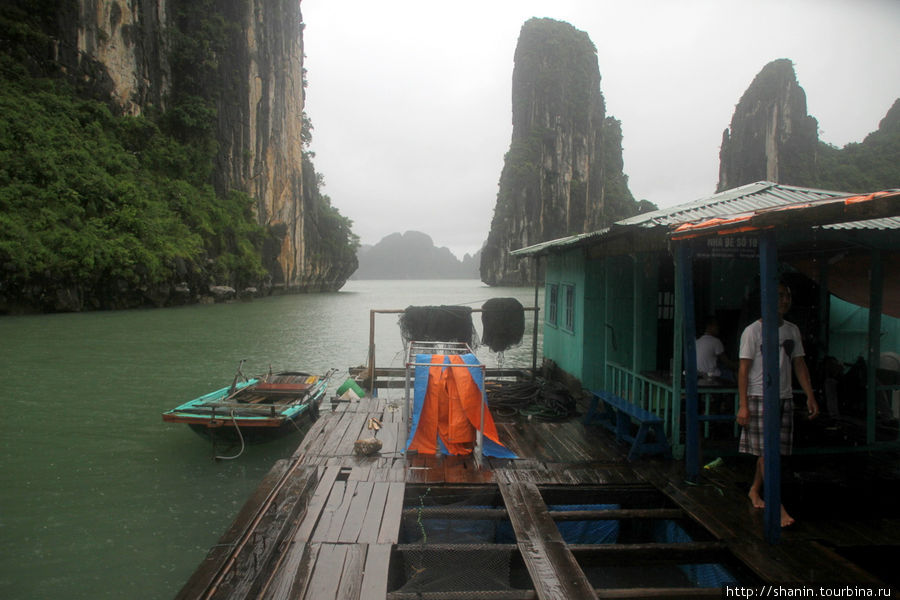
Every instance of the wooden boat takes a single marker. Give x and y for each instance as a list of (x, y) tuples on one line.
[(256, 409)]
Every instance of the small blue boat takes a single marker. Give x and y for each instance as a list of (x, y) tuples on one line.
[(256, 409)]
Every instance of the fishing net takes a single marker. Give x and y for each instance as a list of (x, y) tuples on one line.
[(443, 551), (437, 324), (503, 320), (454, 543), (478, 571)]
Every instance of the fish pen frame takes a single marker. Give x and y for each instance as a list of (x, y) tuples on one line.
[(369, 380)]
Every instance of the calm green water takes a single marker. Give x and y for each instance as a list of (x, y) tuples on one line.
[(101, 499)]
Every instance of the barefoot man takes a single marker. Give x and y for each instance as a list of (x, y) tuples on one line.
[(750, 389)]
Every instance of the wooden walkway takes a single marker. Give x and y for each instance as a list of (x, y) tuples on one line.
[(329, 524)]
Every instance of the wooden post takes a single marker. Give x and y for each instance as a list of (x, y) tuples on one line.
[(677, 336), (768, 276), (876, 288), (537, 311), (606, 381), (685, 284), (372, 352), (636, 321), (824, 312)]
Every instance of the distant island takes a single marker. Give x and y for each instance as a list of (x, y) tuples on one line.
[(413, 255)]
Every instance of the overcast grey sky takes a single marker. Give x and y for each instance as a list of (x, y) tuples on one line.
[(411, 109)]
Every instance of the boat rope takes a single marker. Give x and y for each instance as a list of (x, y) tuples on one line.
[(240, 435)]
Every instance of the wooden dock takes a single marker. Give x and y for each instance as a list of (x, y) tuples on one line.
[(327, 523)]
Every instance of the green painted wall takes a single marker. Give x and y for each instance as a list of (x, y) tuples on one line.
[(561, 345), (594, 325), (612, 296), (619, 309)]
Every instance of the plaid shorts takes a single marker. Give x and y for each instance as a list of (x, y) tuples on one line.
[(752, 433)]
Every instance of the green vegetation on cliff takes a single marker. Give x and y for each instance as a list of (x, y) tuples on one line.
[(870, 165), (102, 210), (92, 204)]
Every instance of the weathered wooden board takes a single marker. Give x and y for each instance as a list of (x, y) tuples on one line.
[(374, 513), (327, 576), (249, 549), (390, 437), (375, 572), (390, 524), (554, 571)]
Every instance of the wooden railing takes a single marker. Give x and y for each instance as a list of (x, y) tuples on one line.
[(660, 398)]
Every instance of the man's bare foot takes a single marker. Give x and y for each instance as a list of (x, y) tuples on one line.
[(756, 499), (786, 519)]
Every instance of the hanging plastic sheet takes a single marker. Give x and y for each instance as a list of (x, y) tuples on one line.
[(447, 408)]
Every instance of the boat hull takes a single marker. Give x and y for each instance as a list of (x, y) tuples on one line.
[(228, 431), (257, 410)]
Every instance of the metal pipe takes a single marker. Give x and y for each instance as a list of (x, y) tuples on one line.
[(405, 411), (479, 439)]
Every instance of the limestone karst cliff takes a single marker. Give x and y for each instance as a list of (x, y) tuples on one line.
[(224, 77), (563, 172), (412, 255), (771, 136)]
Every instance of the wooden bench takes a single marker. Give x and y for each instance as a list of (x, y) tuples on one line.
[(618, 415)]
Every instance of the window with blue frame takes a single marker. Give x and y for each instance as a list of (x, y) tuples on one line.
[(569, 299), (552, 303)]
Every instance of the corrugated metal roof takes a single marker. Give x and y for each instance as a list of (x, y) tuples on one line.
[(745, 199), (878, 224), (749, 199), (572, 240)]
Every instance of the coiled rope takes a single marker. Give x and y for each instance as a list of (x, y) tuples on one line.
[(540, 399)]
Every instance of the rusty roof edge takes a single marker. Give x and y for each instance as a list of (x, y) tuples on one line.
[(848, 208)]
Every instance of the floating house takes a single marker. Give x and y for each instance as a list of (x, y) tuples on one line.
[(558, 509), (623, 304)]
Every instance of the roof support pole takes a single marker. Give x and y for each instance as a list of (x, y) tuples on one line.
[(768, 276), (537, 312), (685, 283), (824, 312), (876, 288), (637, 331), (606, 380), (677, 331)]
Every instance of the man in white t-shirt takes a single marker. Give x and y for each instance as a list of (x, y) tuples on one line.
[(711, 355), (750, 390)]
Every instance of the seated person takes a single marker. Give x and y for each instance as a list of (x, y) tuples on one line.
[(712, 362)]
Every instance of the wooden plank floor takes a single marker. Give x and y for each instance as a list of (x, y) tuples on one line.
[(327, 523)]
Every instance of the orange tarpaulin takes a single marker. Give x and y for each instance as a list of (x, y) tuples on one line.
[(448, 410)]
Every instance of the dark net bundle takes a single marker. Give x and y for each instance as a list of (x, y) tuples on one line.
[(437, 324), (503, 321)]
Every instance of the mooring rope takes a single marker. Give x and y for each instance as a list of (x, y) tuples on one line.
[(240, 435)]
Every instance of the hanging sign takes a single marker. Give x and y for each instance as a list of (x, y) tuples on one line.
[(728, 246)]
